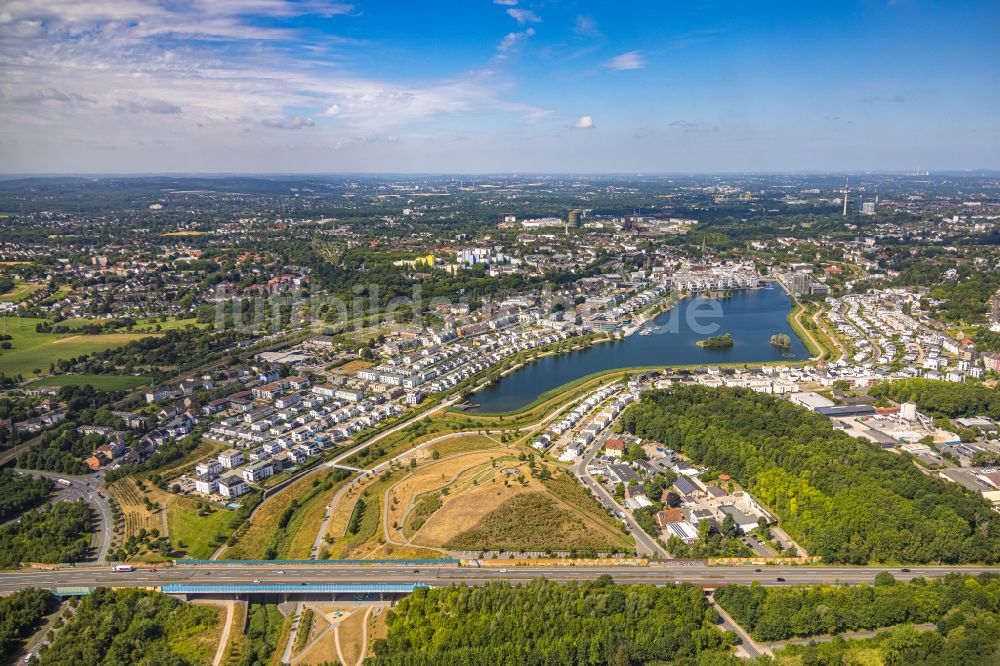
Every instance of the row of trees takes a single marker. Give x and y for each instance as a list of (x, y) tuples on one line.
[(543, 622), (939, 398), (18, 493), (839, 497), (777, 613), (57, 533)]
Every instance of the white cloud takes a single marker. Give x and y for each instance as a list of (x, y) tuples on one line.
[(199, 19), (626, 61), (512, 41), (506, 3), (146, 106), (584, 122), (523, 16), (197, 81), (288, 122)]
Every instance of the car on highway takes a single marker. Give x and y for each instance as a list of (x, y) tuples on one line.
[(905, 570), (280, 573), (780, 579), (256, 580), (756, 570), (152, 570), (503, 571)]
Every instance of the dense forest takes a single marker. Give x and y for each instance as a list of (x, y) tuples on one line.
[(967, 299), (967, 633), (839, 497), (939, 398), (543, 622), (777, 613), (964, 299), (57, 533), (18, 493), (114, 627), (20, 614)]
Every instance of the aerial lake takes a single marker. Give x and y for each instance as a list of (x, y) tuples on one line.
[(751, 317)]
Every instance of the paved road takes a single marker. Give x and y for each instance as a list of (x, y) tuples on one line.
[(338, 461), (702, 575), (747, 644), (818, 321), (644, 544), (86, 488)]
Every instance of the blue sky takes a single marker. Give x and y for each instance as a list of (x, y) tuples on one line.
[(497, 86)]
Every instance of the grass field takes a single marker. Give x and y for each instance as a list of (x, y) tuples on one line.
[(351, 367), (351, 633), (237, 639), (21, 291), (421, 494), (102, 382), (149, 325), (450, 447), (310, 495), (534, 521), (306, 522), (489, 498), (183, 523), (33, 350), (190, 533), (198, 645), (197, 536), (368, 542)]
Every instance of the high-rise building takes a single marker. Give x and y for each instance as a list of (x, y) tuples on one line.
[(868, 208), (800, 284), (574, 217)]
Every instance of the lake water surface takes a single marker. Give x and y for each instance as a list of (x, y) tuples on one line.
[(752, 317)]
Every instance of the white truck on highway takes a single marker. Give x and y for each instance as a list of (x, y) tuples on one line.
[(122, 568), (64, 482)]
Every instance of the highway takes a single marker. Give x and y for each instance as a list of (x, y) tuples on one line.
[(279, 573)]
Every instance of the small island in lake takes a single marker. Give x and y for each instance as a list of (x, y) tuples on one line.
[(781, 340), (724, 341)]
